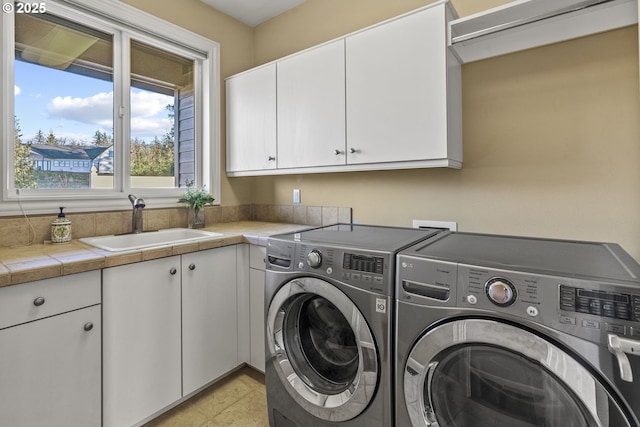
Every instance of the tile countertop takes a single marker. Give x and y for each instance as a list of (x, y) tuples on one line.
[(43, 261)]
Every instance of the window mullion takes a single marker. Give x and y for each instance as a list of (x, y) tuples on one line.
[(122, 113)]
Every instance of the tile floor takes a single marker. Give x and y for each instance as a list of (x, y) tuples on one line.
[(239, 400)]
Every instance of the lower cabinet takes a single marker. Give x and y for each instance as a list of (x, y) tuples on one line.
[(50, 358), (209, 313), (256, 305), (169, 327)]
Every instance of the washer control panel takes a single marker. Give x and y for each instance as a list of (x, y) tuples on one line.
[(363, 269)]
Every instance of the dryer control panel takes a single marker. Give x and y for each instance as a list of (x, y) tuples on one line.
[(616, 305)]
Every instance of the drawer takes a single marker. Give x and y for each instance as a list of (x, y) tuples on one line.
[(257, 256), (43, 298)]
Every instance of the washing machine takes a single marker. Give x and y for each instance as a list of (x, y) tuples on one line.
[(506, 331), (329, 324)]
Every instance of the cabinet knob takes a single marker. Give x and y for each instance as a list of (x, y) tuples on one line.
[(353, 150), (173, 271), (38, 301), (337, 152), (192, 267), (271, 158), (88, 326)]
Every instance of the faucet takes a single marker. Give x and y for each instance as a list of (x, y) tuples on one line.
[(136, 222)]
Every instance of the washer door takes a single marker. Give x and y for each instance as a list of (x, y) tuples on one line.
[(478, 372), (322, 349)]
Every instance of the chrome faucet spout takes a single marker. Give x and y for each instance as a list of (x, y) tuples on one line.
[(136, 220)]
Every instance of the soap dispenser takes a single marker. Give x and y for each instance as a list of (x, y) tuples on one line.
[(61, 229)]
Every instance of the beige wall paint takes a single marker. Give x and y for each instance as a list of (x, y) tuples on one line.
[(551, 137), (236, 54)]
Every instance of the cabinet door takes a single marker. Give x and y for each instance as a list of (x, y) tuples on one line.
[(311, 123), (251, 120), (397, 90), (50, 371), (209, 316), (141, 339), (256, 297)]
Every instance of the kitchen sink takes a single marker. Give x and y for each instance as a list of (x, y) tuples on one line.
[(148, 239)]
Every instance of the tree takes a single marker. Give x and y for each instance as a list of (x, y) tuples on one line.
[(101, 139), (39, 138), (23, 165), (51, 139)]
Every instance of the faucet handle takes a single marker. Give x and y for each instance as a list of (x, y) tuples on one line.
[(137, 203)]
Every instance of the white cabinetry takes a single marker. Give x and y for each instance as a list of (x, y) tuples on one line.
[(257, 256), (401, 100), (386, 97), (209, 311), (141, 340), (311, 110), (170, 327), (50, 363), (251, 120)]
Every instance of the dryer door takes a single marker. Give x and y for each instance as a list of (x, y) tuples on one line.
[(322, 349), (479, 372)]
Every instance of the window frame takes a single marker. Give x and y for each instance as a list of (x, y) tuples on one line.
[(125, 23)]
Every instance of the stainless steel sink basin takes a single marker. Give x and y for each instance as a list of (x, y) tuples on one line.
[(149, 239)]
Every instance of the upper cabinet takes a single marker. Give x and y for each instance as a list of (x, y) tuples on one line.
[(403, 96), (524, 24), (386, 97), (251, 120), (311, 125)]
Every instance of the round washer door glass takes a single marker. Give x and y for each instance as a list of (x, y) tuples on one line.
[(485, 372), (324, 351)]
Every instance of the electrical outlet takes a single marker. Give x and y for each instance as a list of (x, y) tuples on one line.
[(296, 196), (422, 223)]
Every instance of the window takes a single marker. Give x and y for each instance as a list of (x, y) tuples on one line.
[(101, 100)]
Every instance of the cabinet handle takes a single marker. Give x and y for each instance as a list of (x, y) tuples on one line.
[(353, 150), (271, 158), (192, 267), (173, 271), (38, 301), (88, 326)]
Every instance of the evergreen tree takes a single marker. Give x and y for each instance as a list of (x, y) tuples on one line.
[(23, 165)]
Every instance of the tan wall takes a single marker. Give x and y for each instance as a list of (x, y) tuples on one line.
[(551, 137)]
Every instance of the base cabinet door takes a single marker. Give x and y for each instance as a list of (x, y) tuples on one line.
[(209, 316), (141, 340), (256, 297), (50, 371)]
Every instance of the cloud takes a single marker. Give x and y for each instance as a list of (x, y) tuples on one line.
[(16, 90), (98, 110)]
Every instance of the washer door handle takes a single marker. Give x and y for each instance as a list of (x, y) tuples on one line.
[(620, 347)]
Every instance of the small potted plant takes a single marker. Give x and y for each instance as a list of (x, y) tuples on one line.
[(195, 200)]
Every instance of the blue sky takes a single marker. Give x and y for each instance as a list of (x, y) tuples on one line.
[(75, 106)]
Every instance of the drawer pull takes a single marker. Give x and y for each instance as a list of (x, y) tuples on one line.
[(192, 267), (173, 271), (38, 301), (88, 326)]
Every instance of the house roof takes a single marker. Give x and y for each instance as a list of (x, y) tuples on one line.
[(68, 152)]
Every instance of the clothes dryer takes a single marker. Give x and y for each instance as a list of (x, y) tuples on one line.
[(508, 331), (329, 325)]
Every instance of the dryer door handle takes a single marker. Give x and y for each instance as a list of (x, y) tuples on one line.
[(620, 347)]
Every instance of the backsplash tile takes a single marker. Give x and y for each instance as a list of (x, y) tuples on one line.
[(15, 231)]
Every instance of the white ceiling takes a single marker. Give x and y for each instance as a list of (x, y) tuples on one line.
[(253, 12)]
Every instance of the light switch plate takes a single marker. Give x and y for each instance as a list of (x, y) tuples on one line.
[(296, 196)]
